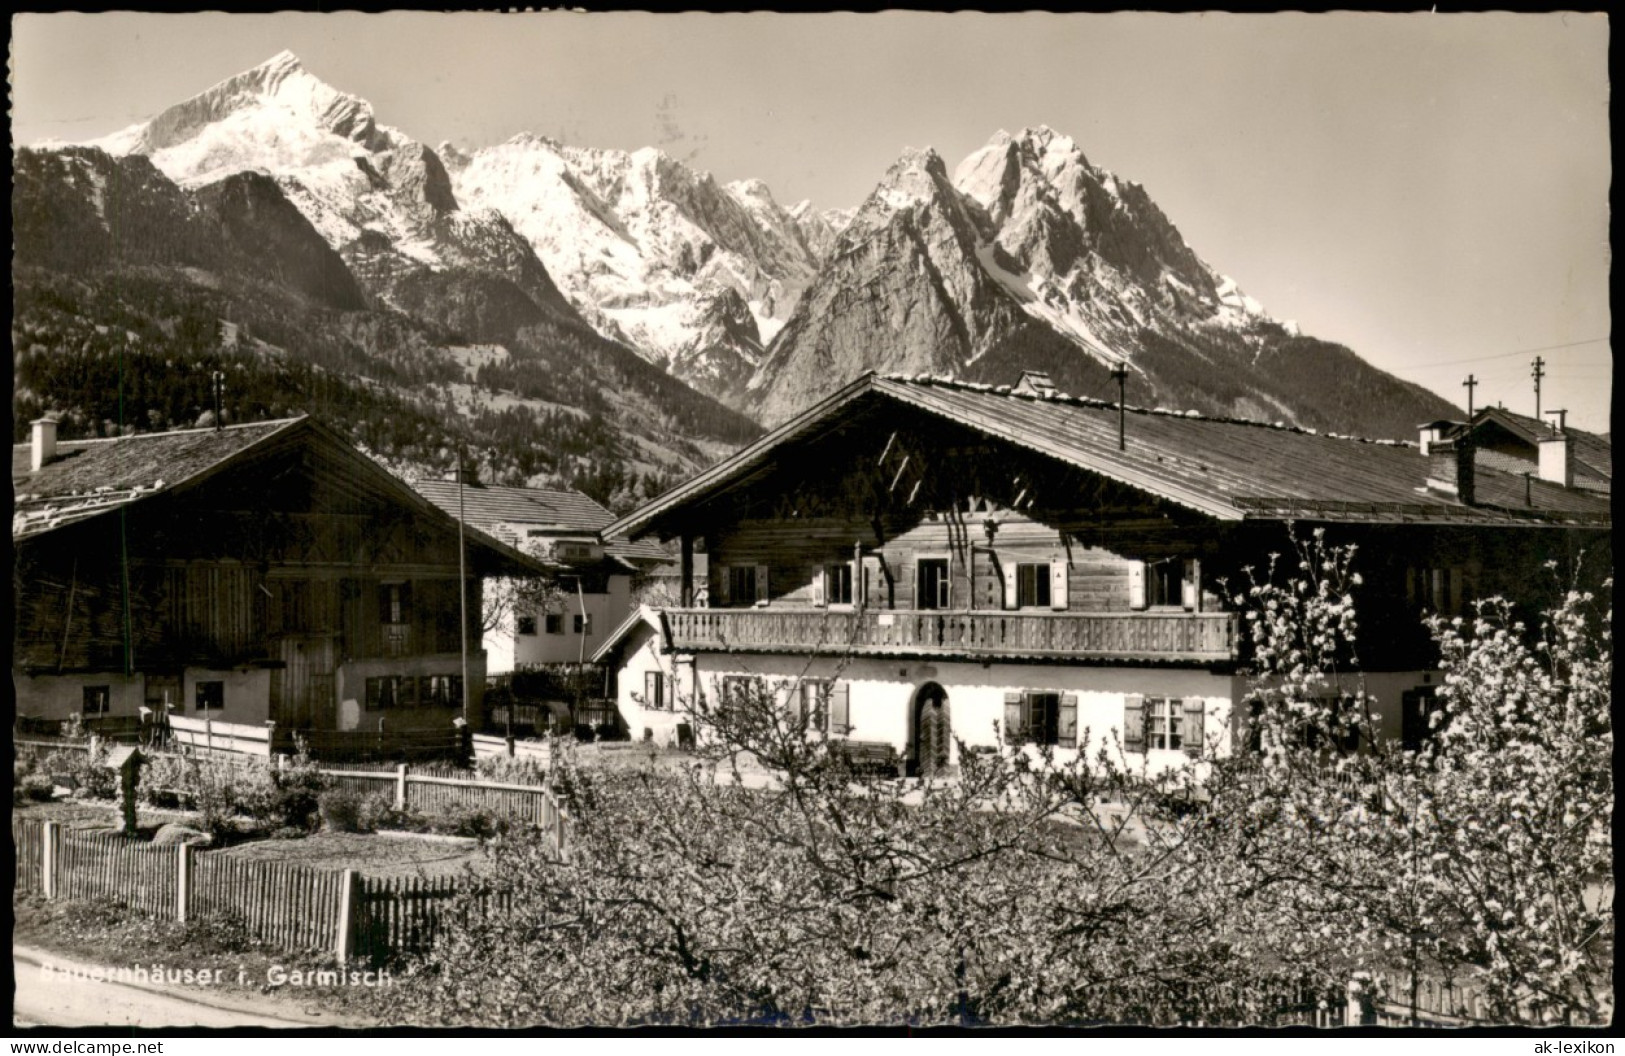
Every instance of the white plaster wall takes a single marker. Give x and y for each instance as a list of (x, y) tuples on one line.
[(247, 695), (882, 695), (59, 696), (607, 610)]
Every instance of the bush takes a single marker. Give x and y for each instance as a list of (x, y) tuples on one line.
[(584, 732), (36, 787), (341, 810), (519, 770), (479, 824)]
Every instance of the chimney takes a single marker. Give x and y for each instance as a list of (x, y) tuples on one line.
[(1450, 468), (1435, 432), (1035, 383), (44, 442), (1557, 455)]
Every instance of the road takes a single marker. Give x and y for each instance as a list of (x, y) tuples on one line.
[(69, 1000)]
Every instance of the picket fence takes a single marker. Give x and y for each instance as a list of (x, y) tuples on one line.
[(287, 905)]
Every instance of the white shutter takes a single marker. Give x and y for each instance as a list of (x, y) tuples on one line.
[(1136, 584), (1191, 586), (818, 587), (1010, 596), (1057, 583), (761, 582)]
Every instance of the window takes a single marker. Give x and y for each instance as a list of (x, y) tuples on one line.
[(527, 626), (733, 691), (1039, 717), (582, 624), (933, 583), (658, 692), (211, 696), (815, 699), (1419, 706), (98, 700), (1166, 586), (742, 584), (443, 691), (1171, 583), (383, 691), (395, 603), (555, 623), (1438, 590), (838, 584), (1032, 586), (1163, 723)]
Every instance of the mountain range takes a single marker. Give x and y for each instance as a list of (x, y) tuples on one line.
[(613, 302)]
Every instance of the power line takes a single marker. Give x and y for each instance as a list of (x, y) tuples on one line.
[(1519, 352)]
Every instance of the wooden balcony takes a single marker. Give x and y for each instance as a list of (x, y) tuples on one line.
[(1182, 637)]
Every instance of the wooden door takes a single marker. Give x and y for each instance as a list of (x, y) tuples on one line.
[(932, 731), (307, 700)]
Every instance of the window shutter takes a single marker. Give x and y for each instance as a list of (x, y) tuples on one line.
[(1136, 584), (1014, 727), (1066, 731), (1191, 588), (651, 690), (1134, 722), (1057, 583), (761, 582), (724, 583), (840, 708), (1010, 596), (818, 587), (1191, 734)]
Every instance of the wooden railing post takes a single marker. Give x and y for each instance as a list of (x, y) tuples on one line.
[(183, 880), (400, 787), (1362, 1008), (49, 845), (349, 899)]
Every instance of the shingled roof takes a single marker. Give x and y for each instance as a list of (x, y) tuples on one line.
[(1593, 454), (1226, 468), (90, 477), (490, 507)]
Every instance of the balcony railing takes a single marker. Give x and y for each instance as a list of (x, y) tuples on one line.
[(1164, 636)]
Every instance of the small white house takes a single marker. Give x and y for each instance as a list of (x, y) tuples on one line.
[(592, 578)]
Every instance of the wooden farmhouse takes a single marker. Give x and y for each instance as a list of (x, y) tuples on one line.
[(562, 530), (930, 559), (256, 573)]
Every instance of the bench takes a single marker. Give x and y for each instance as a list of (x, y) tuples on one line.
[(867, 757)]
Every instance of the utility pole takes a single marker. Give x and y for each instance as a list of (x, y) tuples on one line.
[(1538, 373), (462, 585), (1120, 372), (218, 383), (1471, 383)]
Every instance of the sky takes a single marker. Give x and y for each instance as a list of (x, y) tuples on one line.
[(1429, 189)]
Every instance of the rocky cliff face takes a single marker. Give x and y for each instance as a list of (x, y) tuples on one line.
[(1030, 257), (385, 202), (648, 248)]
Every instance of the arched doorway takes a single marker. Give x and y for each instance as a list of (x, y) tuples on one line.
[(933, 734)]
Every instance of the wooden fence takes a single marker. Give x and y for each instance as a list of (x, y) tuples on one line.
[(412, 790), (287, 905), (294, 907)]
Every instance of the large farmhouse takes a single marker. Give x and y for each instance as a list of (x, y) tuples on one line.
[(254, 573), (932, 560)]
